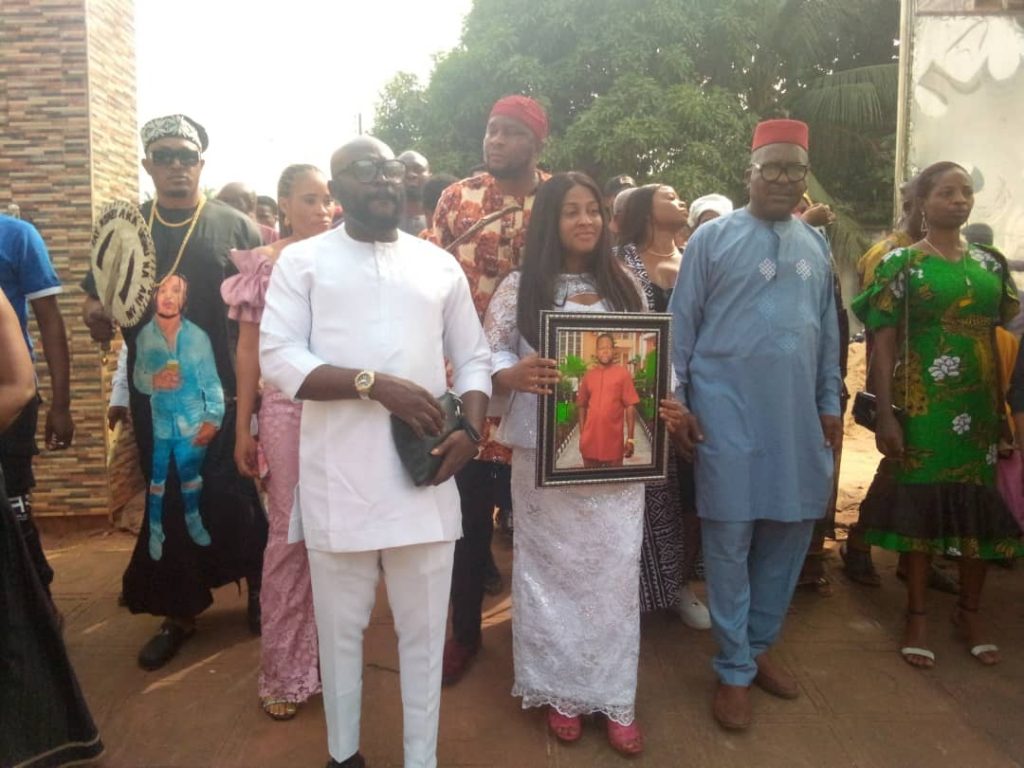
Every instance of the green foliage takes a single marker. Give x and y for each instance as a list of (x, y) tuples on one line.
[(401, 112), (692, 138), (668, 90), (572, 368), (650, 370), (648, 409)]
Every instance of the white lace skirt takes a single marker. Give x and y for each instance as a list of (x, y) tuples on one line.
[(576, 610)]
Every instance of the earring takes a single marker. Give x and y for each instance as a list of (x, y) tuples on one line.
[(924, 224)]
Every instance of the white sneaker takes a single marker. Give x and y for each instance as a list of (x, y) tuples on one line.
[(691, 610)]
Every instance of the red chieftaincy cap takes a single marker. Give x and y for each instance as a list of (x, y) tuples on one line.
[(780, 132), (526, 111)]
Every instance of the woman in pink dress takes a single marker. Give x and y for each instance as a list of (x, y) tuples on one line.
[(289, 672)]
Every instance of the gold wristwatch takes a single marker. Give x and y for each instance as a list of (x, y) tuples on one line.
[(364, 383)]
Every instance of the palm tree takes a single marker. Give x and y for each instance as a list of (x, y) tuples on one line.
[(832, 64)]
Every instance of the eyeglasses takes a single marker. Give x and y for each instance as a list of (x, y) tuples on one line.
[(365, 171), (775, 171), (187, 157)]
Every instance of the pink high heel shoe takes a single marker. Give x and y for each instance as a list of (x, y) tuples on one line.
[(627, 740), (565, 728)]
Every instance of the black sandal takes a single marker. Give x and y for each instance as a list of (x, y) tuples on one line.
[(858, 567)]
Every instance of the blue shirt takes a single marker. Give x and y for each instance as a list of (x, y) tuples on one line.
[(25, 269), (756, 354)]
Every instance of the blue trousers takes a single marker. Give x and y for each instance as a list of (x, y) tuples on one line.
[(189, 459), (751, 570)]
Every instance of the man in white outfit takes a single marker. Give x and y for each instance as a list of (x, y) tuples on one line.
[(358, 323)]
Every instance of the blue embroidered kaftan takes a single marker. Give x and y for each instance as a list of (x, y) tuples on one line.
[(756, 353)]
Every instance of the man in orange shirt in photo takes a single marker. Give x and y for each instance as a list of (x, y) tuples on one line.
[(606, 398)]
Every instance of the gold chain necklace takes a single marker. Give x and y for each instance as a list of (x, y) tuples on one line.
[(652, 252), (968, 299), (930, 244), (162, 220), (192, 221)]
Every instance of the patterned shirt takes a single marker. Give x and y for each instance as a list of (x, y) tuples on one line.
[(492, 251), (866, 264), (487, 255)]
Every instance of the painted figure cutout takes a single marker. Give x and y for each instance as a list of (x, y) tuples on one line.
[(176, 368)]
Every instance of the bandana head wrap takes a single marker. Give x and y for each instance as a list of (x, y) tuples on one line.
[(526, 111), (780, 132), (174, 126), (720, 204)]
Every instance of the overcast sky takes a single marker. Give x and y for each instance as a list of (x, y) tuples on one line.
[(283, 83)]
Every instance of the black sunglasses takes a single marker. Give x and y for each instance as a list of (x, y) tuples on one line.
[(365, 171), (775, 171), (187, 157)]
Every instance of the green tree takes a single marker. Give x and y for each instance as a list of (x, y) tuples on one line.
[(400, 112), (668, 90), (831, 63)]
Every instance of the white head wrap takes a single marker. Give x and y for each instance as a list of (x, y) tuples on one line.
[(713, 202)]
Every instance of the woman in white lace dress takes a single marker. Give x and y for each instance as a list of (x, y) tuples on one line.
[(576, 613)]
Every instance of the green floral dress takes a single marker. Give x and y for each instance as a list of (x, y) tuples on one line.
[(942, 495)]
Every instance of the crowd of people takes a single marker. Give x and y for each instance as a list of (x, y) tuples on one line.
[(287, 335)]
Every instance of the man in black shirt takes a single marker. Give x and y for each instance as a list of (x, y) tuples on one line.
[(192, 236)]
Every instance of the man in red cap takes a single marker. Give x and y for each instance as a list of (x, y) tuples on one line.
[(756, 352), (482, 221)]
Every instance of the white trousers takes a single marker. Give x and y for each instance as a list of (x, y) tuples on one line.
[(418, 580)]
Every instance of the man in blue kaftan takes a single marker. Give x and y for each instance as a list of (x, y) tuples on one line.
[(756, 352)]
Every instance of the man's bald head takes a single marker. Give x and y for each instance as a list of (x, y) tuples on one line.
[(359, 148), (239, 196), (368, 182), (417, 171), (412, 157)]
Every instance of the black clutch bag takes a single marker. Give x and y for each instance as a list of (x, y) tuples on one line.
[(865, 410), (415, 451)]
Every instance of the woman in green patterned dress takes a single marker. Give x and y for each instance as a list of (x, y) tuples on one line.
[(933, 308)]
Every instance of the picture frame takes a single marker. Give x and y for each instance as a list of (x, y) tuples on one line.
[(611, 364)]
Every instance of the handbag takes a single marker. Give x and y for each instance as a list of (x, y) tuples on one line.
[(865, 404), (415, 452), (865, 410)]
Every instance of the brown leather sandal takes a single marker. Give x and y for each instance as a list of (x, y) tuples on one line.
[(279, 709)]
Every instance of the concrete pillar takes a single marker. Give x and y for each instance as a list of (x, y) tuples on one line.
[(68, 144)]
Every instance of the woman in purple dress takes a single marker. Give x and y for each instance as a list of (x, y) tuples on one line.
[(289, 671)]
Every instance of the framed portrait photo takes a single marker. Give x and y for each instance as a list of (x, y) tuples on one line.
[(601, 423)]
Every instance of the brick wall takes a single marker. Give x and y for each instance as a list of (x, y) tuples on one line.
[(67, 145)]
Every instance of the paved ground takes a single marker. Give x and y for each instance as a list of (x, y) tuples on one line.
[(571, 457), (860, 705)]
